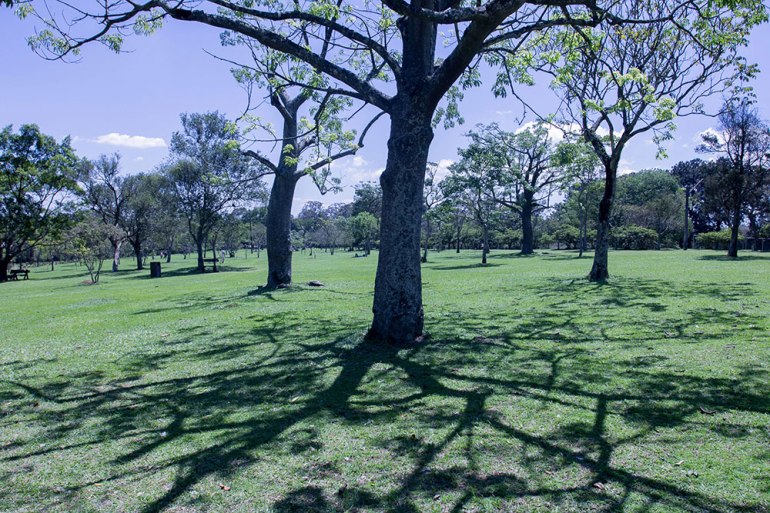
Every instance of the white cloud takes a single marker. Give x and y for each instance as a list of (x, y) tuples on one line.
[(355, 170), (130, 141), (710, 131), (626, 167), (138, 159), (443, 168)]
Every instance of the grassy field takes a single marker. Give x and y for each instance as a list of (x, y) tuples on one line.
[(535, 392)]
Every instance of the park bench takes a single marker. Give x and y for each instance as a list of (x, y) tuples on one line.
[(16, 272), (213, 261)]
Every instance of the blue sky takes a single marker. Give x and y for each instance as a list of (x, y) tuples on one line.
[(131, 102)]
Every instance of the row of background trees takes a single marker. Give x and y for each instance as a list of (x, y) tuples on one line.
[(525, 189)]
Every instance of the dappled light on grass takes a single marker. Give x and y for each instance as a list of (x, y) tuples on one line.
[(535, 391)]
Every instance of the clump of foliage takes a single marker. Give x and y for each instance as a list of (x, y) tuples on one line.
[(634, 237)]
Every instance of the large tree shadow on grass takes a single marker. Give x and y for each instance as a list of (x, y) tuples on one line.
[(468, 419)]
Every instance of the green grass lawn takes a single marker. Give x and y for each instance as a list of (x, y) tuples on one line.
[(535, 392)]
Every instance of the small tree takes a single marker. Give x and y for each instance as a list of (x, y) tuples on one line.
[(527, 175), (143, 211), (581, 168), (619, 81), (104, 193), (432, 197), (363, 230), (91, 240), (470, 183), (744, 141), (209, 174), (37, 177)]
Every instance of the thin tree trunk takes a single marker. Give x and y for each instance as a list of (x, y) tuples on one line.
[(199, 248), (485, 245), (397, 308), (278, 224), (686, 235), (583, 230), (116, 255), (527, 233), (735, 225), (138, 254), (600, 268)]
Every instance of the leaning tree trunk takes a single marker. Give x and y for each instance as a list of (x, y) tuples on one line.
[(278, 224), (527, 233), (397, 308), (600, 269)]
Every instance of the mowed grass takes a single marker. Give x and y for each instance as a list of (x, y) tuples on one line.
[(535, 392)]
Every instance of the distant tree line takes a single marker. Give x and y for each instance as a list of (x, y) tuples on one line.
[(532, 188)]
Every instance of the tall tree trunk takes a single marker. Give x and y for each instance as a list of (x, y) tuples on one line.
[(427, 239), (397, 308), (278, 224), (583, 230), (458, 232), (735, 225), (4, 263), (527, 233), (138, 254), (199, 248), (686, 235), (600, 269), (485, 245), (116, 255)]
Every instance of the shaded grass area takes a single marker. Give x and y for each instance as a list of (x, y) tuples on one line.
[(536, 390)]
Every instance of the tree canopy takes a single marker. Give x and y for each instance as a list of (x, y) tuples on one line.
[(37, 180)]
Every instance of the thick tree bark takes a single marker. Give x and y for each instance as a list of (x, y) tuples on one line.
[(527, 233), (278, 225), (4, 263), (600, 269), (397, 308)]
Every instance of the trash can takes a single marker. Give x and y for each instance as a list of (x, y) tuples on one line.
[(154, 269)]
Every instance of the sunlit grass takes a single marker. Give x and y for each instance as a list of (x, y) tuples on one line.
[(535, 391)]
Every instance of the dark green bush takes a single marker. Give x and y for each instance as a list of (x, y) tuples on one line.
[(716, 240), (633, 237)]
